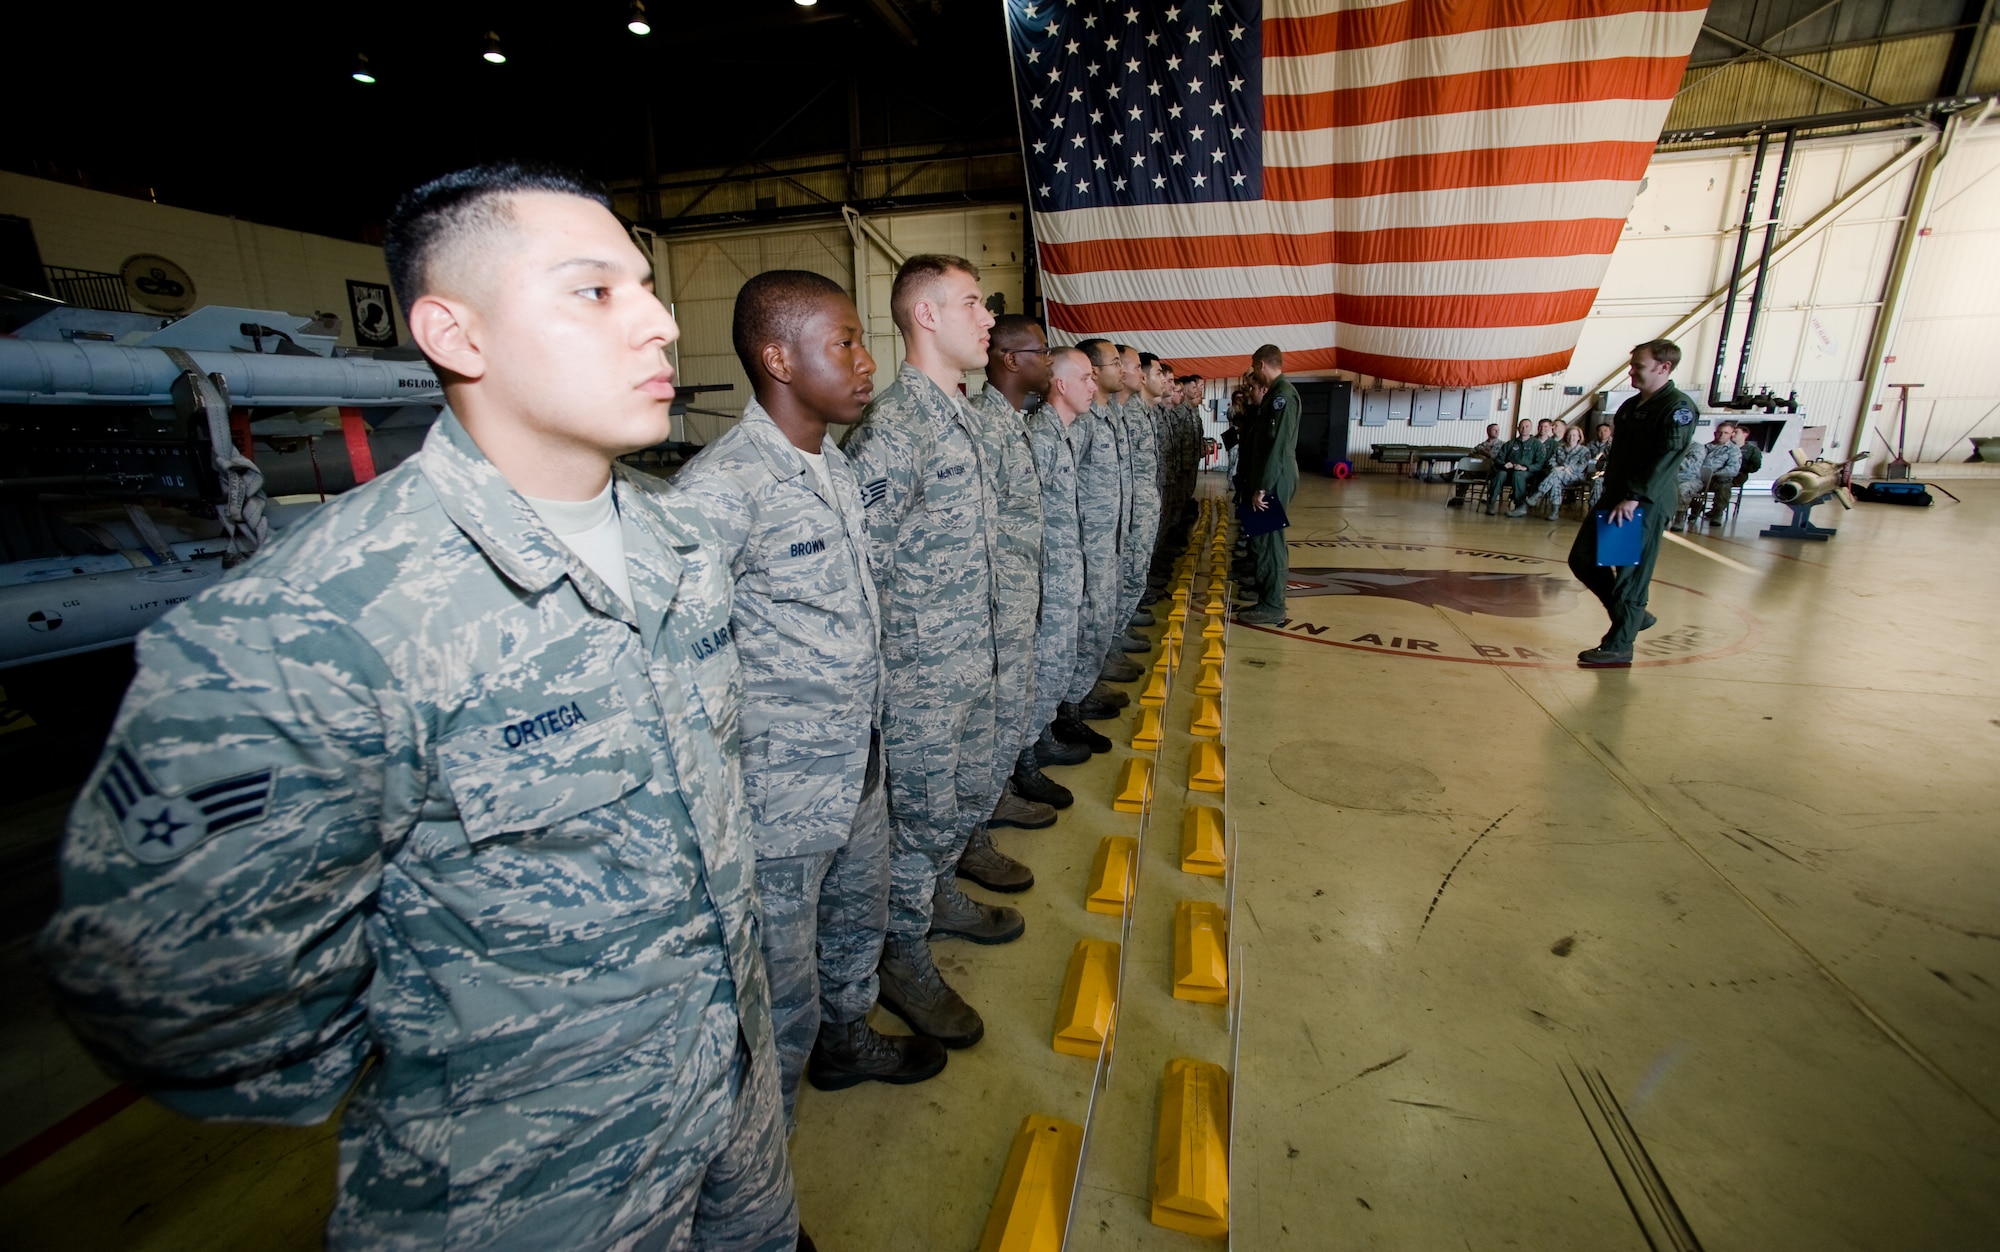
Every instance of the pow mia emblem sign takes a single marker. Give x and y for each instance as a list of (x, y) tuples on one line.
[(374, 324), (157, 828)]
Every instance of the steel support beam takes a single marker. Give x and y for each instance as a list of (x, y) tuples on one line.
[(1825, 217), (1882, 342), (1794, 66)]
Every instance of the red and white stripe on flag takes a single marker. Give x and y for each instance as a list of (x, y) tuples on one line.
[(1443, 186)]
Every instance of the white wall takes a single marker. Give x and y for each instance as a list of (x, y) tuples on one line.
[(231, 261), (1820, 303)]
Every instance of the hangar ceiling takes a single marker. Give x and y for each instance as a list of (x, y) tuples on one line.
[(737, 113), (252, 112)]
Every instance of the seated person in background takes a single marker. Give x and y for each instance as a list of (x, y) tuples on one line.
[(1516, 459), (1720, 460), (1600, 454), (1599, 447), (1753, 461), (1549, 436), (1692, 475), (1479, 462), (1572, 463)]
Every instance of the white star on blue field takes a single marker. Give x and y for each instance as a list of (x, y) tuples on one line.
[(1139, 103)]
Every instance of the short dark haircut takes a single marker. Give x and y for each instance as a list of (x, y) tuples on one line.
[(917, 277), (1012, 330), (1269, 354), (1665, 351), (1123, 348), (453, 207), (1147, 360), (773, 308), (1090, 347)]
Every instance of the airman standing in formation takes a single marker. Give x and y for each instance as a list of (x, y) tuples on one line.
[(476, 859), (1056, 431), (786, 506), (1016, 377), (487, 823), (1111, 449), (918, 451)]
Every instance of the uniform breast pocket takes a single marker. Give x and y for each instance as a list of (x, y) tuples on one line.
[(817, 578), (803, 778), (553, 857)]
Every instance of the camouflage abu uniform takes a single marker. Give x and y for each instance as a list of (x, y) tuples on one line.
[(930, 524), (1064, 601), (1100, 503), (1568, 465), (807, 628), (1143, 442), (1017, 573), (416, 783)]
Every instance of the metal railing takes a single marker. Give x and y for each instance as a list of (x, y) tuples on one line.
[(90, 289)]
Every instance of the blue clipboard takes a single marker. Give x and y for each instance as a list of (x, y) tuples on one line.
[(1620, 545), (1262, 523)]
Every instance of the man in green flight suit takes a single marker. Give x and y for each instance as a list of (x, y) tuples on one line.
[(1652, 431), (1518, 459), (1270, 472)]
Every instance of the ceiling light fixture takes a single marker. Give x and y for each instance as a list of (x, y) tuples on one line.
[(805, 4), (493, 52), (362, 74), (639, 25)]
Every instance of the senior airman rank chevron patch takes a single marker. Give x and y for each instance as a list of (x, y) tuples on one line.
[(874, 492), (158, 828)]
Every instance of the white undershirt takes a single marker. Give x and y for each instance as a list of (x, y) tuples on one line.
[(590, 528), (818, 461)]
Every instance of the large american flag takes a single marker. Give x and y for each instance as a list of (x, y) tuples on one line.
[(1423, 191)]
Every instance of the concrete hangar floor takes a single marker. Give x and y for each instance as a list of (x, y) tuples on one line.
[(1703, 953)]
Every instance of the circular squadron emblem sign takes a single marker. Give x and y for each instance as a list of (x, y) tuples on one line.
[(1477, 606)]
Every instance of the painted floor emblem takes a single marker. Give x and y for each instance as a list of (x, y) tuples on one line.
[(1481, 607)]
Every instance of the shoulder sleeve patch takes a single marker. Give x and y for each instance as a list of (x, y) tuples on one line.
[(157, 828), (873, 492), (1683, 415), (1278, 404)]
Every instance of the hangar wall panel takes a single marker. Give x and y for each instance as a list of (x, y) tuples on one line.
[(231, 261), (701, 274), (1820, 304), (1951, 322)]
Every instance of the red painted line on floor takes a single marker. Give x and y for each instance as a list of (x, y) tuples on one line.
[(67, 1131)]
